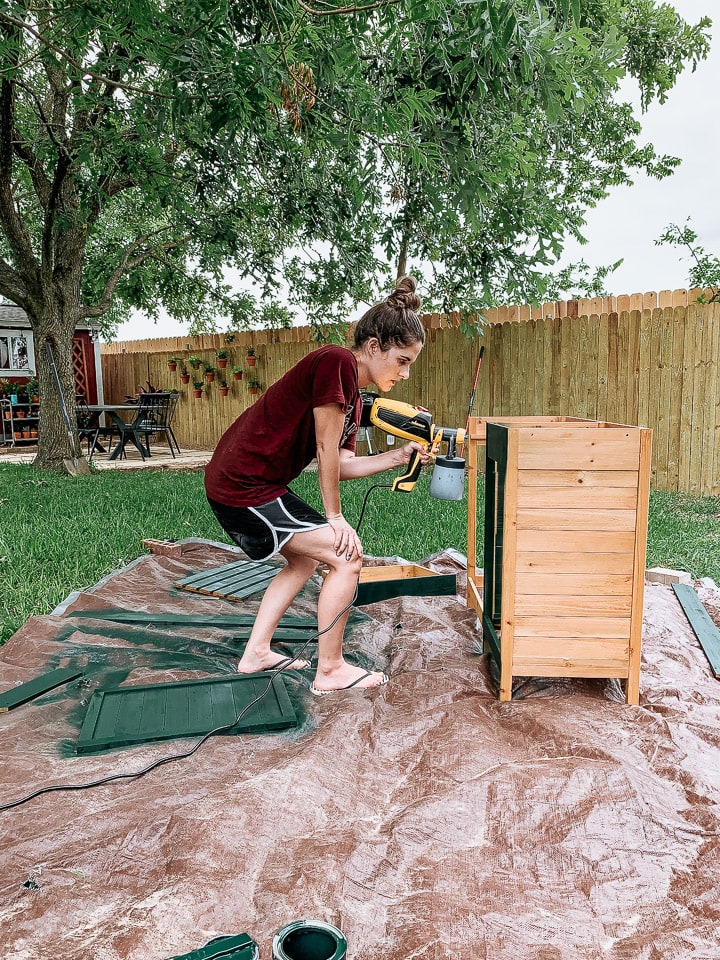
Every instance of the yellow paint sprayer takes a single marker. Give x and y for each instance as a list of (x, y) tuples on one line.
[(407, 422)]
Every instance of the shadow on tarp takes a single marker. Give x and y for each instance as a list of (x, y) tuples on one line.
[(424, 819)]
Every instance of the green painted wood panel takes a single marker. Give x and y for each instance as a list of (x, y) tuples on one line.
[(35, 688), (438, 585), (188, 708), (189, 619), (703, 626), (233, 581)]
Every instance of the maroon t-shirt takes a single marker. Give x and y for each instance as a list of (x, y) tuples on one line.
[(274, 440)]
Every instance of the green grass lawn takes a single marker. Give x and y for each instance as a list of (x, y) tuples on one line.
[(60, 533)]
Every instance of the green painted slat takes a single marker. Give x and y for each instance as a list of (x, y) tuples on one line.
[(190, 619), (35, 688), (703, 626), (187, 708), (228, 570), (233, 581), (439, 585)]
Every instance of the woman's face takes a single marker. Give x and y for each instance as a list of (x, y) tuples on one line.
[(385, 367)]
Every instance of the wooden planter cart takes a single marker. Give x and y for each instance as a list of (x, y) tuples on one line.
[(566, 510)]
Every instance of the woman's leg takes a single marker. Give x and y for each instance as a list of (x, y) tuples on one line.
[(277, 598), (336, 596)]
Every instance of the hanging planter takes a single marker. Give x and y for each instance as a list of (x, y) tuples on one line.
[(194, 362), (237, 373), (185, 378), (222, 359), (173, 364), (251, 358), (198, 389), (224, 389), (209, 373), (254, 386)]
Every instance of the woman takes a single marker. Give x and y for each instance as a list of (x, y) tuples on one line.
[(313, 411)]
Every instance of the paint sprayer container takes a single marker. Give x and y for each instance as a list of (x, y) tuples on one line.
[(448, 478), (309, 940)]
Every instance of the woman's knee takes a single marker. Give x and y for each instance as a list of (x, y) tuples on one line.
[(344, 566)]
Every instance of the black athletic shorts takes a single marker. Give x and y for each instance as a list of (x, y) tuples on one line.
[(262, 531)]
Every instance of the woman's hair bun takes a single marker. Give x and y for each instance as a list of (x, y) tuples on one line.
[(404, 296)]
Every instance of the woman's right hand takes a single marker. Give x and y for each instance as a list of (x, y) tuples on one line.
[(347, 541)]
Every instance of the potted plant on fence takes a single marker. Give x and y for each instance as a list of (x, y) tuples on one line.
[(198, 389), (237, 373), (209, 372), (173, 364), (194, 362), (251, 358), (254, 386), (223, 388), (222, 359), (184, 375)]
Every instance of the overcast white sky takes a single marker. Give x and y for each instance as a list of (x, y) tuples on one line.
[(629, 221)]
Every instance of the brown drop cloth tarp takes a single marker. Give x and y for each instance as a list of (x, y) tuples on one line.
[(426, 820)]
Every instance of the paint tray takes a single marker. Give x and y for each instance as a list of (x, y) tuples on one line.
[(124, 716)]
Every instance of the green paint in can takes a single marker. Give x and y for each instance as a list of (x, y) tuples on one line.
[(309, 940)]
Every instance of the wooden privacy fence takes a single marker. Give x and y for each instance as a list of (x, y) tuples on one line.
[(654, 368)]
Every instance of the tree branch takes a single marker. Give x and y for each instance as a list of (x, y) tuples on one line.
[(341, 11), (12, 285), (127, 263), (13, 226), (84, 71)]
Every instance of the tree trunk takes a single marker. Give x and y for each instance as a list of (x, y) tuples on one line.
[(58, 445)]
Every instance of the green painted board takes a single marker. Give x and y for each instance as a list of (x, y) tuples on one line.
[(189, 619), (35, 688), (233, 581), (239, 947), (188, 708), (703, 626), (438, 585)]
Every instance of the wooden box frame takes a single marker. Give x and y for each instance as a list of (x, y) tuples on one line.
[(566, 509)]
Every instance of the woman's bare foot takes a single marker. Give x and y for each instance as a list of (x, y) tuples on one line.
[(254, 663), (347, 676)]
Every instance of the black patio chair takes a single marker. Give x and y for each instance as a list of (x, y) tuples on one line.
[(88, 424), (156, 421)]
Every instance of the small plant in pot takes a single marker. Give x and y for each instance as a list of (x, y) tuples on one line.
[(33, 389), (251, 358), (184, 375), (173, 364), (194, 362), (237, 373), (209, 372), (254, 386), (222, 359), (198, 388), (223, 388)]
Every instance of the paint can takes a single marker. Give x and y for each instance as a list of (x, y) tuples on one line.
[(448, 478), (309, 940)]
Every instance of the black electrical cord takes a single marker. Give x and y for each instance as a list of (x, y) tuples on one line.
[(187, 753), (375, 486)]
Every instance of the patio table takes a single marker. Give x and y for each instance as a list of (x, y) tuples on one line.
[(115, 412)]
